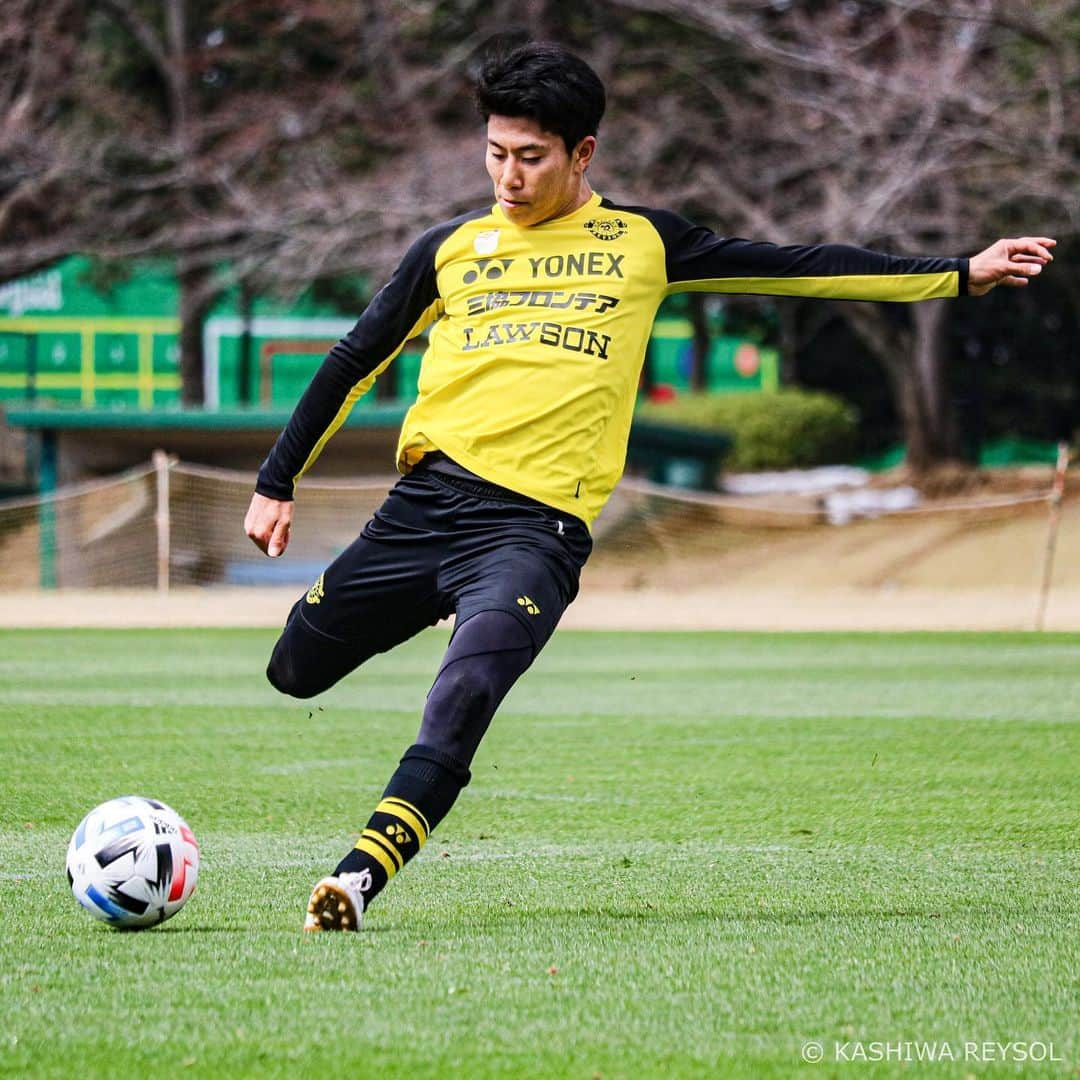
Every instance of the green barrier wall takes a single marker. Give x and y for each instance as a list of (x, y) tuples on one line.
[(81, 334)]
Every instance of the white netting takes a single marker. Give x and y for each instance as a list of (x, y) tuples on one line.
[(110, 533), (651, 536), (96, 533), (208, 543)]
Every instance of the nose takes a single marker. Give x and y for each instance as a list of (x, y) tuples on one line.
[(511, 175)]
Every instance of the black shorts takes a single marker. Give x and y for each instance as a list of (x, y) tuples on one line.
[(446, 543)]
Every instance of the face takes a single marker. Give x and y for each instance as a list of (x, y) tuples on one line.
[(535, 178)]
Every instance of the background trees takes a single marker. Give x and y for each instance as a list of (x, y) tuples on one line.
[(277, 143), (912, 127)]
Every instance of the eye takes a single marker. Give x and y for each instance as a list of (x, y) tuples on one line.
[(531, 160)]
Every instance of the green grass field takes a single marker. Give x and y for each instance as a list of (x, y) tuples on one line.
[(681, 855)]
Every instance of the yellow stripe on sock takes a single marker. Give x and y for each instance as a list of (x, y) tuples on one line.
[(377, 852), (386, 845), (408, 813)]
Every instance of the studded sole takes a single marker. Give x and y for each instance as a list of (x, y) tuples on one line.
[(329, 909)]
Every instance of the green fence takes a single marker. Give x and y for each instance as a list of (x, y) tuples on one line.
[(87, 336)]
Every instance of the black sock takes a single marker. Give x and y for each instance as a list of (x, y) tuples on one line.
[(417, 798)]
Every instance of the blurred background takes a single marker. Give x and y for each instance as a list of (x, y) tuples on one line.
[(197, 198)]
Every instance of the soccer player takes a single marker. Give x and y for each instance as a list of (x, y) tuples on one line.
[(539, 309)]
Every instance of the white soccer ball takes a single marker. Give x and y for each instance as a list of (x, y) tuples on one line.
[(133, 862)]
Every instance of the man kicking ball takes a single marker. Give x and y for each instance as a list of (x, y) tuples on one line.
[(540, 309)]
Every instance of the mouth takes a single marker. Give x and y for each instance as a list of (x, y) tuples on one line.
[(511, 204)]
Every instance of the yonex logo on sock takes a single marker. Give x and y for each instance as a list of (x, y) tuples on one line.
[(397, 834), (529, 605)]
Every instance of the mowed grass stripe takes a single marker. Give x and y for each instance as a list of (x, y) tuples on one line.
[(681, 855)]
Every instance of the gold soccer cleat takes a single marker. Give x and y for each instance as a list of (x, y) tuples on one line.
[(336, 904)]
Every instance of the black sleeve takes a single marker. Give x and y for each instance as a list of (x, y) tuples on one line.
[(401, 309), (699, 260)]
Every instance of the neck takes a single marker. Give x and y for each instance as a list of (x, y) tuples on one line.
[(575, 202)]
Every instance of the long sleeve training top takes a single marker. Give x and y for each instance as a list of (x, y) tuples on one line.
[(538, 335)]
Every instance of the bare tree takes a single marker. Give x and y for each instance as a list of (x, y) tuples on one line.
[(39, 49), (265, 145), (911, 125), (211, 132), (274, 144)]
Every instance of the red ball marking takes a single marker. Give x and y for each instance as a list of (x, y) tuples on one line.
[(747, 360)]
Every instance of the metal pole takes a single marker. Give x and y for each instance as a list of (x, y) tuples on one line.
[(47, 478), (1057, 493), (161, 518)]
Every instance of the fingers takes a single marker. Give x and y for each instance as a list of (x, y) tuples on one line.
[(1024, 270), (260, 540), (1036, 247), (254, 530), (267, 524), (1024, 258), (279, 538)]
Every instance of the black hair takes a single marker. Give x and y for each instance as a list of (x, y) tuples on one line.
[(546, 83)]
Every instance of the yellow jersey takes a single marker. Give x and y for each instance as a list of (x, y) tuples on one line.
[(538, 335)]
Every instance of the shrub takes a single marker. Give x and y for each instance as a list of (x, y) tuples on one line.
[(788, 429)]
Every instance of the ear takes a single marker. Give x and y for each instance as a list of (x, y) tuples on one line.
[(583, 152)]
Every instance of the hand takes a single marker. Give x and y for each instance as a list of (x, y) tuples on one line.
[(267, 523), (1008, 262)]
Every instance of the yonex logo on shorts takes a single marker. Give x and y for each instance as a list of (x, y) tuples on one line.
[(529, 605), (317, 591)]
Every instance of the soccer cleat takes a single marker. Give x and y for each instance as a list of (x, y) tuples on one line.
[(336, 904)]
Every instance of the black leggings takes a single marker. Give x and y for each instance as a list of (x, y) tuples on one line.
[(487, 654)]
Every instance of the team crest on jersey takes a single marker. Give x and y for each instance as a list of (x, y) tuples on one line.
[(607, 228), (486, 243)]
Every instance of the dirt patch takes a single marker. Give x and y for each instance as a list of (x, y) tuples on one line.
[(739, 607)]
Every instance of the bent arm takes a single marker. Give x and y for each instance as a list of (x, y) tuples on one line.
[(404, 307)]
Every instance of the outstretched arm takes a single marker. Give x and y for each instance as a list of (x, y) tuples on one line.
[(1008, 262), (697, 260)]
